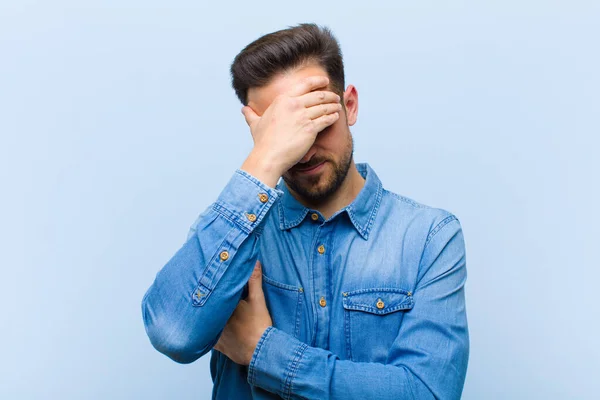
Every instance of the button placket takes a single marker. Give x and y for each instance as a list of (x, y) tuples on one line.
[(320, 265)]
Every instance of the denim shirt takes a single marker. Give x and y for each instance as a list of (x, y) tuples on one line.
[(368, 304)]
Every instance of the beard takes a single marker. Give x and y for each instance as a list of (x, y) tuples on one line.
[(318, 188)]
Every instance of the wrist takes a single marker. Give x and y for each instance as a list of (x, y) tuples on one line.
[(262, 168), (254, 344)]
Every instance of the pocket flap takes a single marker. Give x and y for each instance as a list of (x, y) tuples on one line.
[(378, 300)]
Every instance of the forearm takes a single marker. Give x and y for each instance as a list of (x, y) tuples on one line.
[(175, 322), (194, 294), (293, 370)]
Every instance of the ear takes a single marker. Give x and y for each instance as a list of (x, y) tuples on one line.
[(351, 104)]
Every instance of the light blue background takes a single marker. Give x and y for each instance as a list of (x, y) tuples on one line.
[(118, 127)]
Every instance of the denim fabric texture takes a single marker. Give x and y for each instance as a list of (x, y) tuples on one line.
[(368, 304)]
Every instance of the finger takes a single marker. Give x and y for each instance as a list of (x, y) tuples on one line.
[(249, 115), (319, 97), (309, 84), (325, 121), (323, 109), (255, 290)]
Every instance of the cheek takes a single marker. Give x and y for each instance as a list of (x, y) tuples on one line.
[(332, 141), (335, 130), (333, 136), (325, 139)]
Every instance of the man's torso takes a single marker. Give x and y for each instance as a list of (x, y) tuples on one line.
[(343, 284)]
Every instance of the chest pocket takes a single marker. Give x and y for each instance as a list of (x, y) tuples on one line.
[(372, 319), (285, 305)]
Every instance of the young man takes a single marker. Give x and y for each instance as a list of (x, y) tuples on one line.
[(353, 292)]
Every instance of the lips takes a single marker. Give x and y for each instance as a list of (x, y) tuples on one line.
[(308, 169)]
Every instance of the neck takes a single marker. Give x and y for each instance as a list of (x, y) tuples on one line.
[(345, 194)]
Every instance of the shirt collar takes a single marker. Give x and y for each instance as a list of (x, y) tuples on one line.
[(361, 211)]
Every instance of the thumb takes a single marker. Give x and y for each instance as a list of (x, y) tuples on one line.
[(250, 115), (255, 291)]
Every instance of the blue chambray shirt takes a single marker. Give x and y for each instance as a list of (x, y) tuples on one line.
[(369, 304)]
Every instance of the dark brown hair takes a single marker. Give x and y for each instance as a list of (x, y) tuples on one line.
[(286, 49)]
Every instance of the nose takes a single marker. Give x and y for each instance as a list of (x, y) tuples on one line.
[(311, 152)]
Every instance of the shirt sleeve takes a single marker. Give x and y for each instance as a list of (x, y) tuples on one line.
[(428, 359), (195, 293)]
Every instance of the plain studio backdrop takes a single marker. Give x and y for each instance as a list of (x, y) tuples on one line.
[(119, 126)]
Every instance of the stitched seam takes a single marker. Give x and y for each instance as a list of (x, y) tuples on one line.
[(205, 271), (290, 224), (231, 217), (298, 315), (252, 367), (298, 220), (372, 290), (279, 285), (435, 230), (406, 200), (350, 212), (361, 230), (281, 224), (292, 381), (371, 310), (375, 209), (439, 226), (261, 185), (292, 369), (222, 264), (348, 335), (242, 223), (249, 177)]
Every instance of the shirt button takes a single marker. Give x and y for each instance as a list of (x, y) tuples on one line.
[(263, 197), (322, 302), (380, 304), (321, 249), (314, 216), (224, 255), (251, 217)]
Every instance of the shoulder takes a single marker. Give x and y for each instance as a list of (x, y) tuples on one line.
[(434, 233), (409, 211)]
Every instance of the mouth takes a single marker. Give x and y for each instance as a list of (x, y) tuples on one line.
[(312, 169)]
